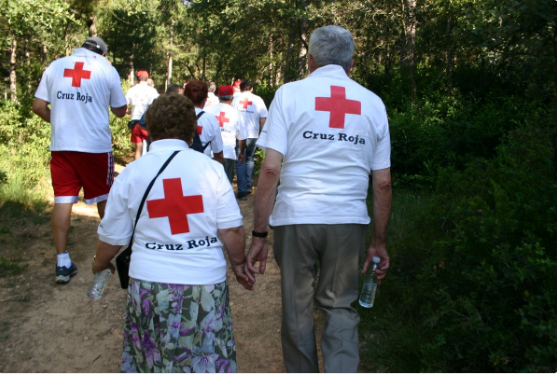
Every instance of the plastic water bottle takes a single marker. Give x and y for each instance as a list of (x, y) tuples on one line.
[(370, 285), (96, 288)]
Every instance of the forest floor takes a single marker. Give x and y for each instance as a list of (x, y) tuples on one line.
[(49, 327)]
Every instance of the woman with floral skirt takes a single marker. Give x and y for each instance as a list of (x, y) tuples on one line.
[(178, 317)]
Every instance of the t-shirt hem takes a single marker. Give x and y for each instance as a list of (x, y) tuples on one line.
[(193, 281), (230, 224), (318, 221)]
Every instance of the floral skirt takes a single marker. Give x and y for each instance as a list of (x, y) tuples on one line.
[(173, 328)]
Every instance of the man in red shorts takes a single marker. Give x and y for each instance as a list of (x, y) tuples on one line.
[(139, 97), (73, 96)]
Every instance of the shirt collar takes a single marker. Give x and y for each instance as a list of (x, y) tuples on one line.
[(168, 145), (84, 52), (329, 69)]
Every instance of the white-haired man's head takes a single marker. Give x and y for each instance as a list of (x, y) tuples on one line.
[(332, 45)]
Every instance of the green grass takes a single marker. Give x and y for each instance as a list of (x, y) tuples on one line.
[(11, 266), (387, 341)]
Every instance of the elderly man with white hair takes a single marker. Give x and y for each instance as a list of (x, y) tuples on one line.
[(324, 136)]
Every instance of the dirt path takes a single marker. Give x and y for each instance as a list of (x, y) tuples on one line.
[(47, 327)]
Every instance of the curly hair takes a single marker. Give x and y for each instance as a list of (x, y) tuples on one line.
[(171, 117), (196, 91)]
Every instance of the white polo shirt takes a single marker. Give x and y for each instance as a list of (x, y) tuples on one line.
[(80, 88), (176, 239), (250, 108), (209, 131), (230, 129), (332, 133), (139, 98)]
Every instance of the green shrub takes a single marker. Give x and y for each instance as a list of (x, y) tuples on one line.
[(472, 286)]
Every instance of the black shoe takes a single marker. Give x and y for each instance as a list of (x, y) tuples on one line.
[(249, 190), (63, 274), (242, 196)]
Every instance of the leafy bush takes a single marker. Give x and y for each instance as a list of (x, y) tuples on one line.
[(445, 130), (477, 292)]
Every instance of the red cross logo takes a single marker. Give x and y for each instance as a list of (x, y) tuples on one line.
[(338, 105), (199, 130), (245, 102), (222, 119), (175, 206), (77, 74)]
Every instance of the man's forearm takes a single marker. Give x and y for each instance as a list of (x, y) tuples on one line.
[(266, 190), (382, 199)]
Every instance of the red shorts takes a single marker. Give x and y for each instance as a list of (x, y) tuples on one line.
[(72, 170), (139, 134)]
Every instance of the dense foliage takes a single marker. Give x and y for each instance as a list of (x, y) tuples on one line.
[(470, 88)]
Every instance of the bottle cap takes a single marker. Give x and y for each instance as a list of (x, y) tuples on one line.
[(376, 259)]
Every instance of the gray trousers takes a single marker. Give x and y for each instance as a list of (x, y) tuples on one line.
[(337, 249)]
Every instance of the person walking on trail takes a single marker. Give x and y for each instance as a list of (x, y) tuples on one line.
[(212, 99), (230, 130), (178, 311), (253, 113), (329, 133), (74, 95), (139, 97), (207, 125)]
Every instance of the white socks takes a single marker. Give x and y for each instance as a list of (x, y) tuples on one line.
[(64, 259)]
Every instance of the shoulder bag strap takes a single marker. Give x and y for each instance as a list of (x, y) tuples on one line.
[(147, 192)]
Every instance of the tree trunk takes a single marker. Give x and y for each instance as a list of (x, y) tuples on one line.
[(288, 70), (271, 80), (409, 58), (449, 51), (170, 61), (13, 75), (93, 25)]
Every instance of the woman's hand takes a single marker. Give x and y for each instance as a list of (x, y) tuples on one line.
[(241, 277)]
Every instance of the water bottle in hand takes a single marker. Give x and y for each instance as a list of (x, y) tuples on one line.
[(96, 288), (370, 285)]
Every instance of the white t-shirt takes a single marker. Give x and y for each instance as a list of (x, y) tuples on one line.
[(209, 131), (332, 133), (230, 129), (176, 238), (139, 97), (250, 108), (80, 88), (212, 99)]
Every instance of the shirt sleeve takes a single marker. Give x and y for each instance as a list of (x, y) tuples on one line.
[(117, 225), (275, 132), (382, 156), (117, 97), (262, 109), (42, 91), (228, 211), (216, 140)]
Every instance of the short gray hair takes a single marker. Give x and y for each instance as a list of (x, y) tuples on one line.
[(331, 45)]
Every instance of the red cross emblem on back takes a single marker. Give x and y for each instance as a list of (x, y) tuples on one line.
[(77, 74), (175, 206), (245, 102), (338, 105), (222, 119)]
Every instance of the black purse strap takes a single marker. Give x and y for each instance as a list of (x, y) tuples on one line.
[(147, 193)]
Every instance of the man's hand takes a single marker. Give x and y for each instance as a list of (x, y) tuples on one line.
[(381, 270), (241, 158), (258, 252)]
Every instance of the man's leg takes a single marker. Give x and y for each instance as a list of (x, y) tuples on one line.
[(250, 162), (138, 150), (229, 165), (294, 253), (101, 205), (60, 221), (336, 291), (241, 176)]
